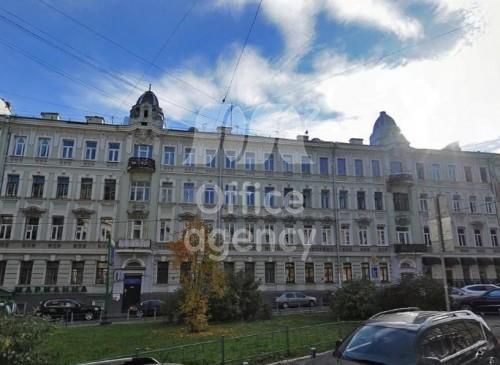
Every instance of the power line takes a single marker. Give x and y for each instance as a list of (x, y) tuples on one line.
[(242, 51), (123, 48)]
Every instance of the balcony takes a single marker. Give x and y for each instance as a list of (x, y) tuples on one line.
[(400, 179), (141, 164), (134, 244), (410, 248)]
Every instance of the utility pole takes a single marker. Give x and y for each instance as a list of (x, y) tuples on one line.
[(441, 253), (105, 319)]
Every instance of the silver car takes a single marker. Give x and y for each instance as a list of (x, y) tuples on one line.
[(478, 289), (295, 299)]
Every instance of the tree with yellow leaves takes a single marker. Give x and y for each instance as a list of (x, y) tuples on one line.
[(202, 276)]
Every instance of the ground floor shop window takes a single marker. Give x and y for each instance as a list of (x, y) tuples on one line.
[(290, 272), (347, 271), (328, 268), (309, 272)]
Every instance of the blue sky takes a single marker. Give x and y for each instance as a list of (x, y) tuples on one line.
[(326, 66)]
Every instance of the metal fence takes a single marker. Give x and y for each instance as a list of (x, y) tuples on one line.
[(254, 349)]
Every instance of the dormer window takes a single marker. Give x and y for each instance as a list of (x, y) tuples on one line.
[(146, 113)]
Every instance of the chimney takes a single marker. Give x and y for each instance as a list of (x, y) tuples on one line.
[(358, 141), (50, 115), (302, 137), (94, 119)]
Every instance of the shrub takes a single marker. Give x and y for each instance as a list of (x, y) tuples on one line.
[(171, 309), (265, 312), (356, 300), (20, 337)]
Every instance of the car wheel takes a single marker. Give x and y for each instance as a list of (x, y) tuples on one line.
[(139, 314), (285, 305), (89, 316), (311, 303)]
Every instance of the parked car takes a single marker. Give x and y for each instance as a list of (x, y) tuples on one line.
[(147, 308), (295, 299), (488, 302), (7, 307), (125, 361), (67, 309), (409, 336), (478, 289)]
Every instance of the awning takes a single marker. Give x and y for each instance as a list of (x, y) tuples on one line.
[(451, 261), (467, 261), (484, 261), (431, 260)]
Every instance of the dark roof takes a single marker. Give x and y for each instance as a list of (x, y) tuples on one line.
[(386, 132), (148, 97)]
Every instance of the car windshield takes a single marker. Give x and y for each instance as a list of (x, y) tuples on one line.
[(375, 344)]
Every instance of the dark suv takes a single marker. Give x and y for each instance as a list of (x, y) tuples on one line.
[(67, 309), (410, 336)]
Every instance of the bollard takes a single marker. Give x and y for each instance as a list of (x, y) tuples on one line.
[(154, 315), (245, 363), (313, 352), (128, 314), (71, 317)]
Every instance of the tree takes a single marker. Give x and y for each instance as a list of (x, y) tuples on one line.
[(197, 254), (356, 300)]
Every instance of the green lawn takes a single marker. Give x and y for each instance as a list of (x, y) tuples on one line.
[(254, 341)]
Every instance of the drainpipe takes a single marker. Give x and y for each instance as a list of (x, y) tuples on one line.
[(336, 215), (6, 153), (220, 166)]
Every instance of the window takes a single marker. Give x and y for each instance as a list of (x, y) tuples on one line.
[(12, 185), (37, 187), (427, 236), (461, 237), (228, 231), (308, 237), (162, 273), (31, 229), (210, 158), (345, 231), (90, 150), (358, 168), (290, 272), (328, 271), (477, 238), (169, 156), (436, 172), (51, 272), (230, 194), (43, 147), (325, 199), (346, 271), (396, 167), (468, 173), (250, 232), (106, 228), (326, 236), (139, 191), (269, 272), (341, 167), (306, 165), (363, 236), (113, 151), (378, 200), (494, 237), (376, 168), (401, 202), (68, 148), (250, 194), (323, 166), (287, 163), (188, 192), (489, 206), (269, 236), (81, 229), (167, 192), (250, 161), (343, 199), (86, 188), (137, 229), (384, 272), (100, 272), (472, 204), (288, 197), (309, 272), (164, 230), (3, 265), (403, 235), (230, 159), (25, 272), (420, 171), (6, 222), (250, 270), (77, 273), (269, 197), (361, 200), (307, 198), (269, 162), (57, 228), (424, 203), (456, 203), (189, 156), (209, 194), (62, 188), (484, 174), (143, 151), (381, 235), (19, 145), (109, 189), (452, 173), (365, 271)]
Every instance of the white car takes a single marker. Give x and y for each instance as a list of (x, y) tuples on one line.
[(478, 289)]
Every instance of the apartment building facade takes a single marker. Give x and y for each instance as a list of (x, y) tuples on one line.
[(302, 214)]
